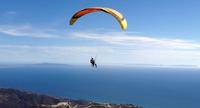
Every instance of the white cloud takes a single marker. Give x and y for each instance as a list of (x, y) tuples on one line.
[(29, 31), (11, 13), (7, 15), (137, 41)]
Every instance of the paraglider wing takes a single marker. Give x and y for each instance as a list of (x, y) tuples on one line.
[(120, 18)]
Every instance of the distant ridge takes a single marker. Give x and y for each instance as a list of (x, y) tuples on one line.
[(160, 65)]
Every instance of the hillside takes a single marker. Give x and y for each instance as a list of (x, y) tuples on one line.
[(11, 98)]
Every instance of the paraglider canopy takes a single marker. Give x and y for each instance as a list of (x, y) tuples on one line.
[(120, 18)]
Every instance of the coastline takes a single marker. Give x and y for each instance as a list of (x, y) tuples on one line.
[(13, 98)]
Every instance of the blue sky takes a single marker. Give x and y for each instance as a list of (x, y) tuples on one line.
[(159, 32)]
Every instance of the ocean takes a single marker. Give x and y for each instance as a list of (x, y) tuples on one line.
[(150, 87)]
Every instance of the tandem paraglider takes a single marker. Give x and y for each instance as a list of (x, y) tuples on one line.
[(117, 15)]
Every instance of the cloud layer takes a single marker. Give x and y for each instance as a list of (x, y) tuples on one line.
[(119, 48), (137, 41), (52, 54), (28, 31)]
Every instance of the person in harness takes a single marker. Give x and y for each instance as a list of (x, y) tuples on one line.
[(92, 61)]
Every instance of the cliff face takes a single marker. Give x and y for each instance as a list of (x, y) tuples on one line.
[(10, 98)]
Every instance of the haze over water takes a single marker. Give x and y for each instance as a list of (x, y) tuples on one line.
[(148, 87)]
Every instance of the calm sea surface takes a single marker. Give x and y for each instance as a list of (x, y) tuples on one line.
[(148, 87)]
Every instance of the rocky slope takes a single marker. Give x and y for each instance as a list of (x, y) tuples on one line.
[(11, 98)]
